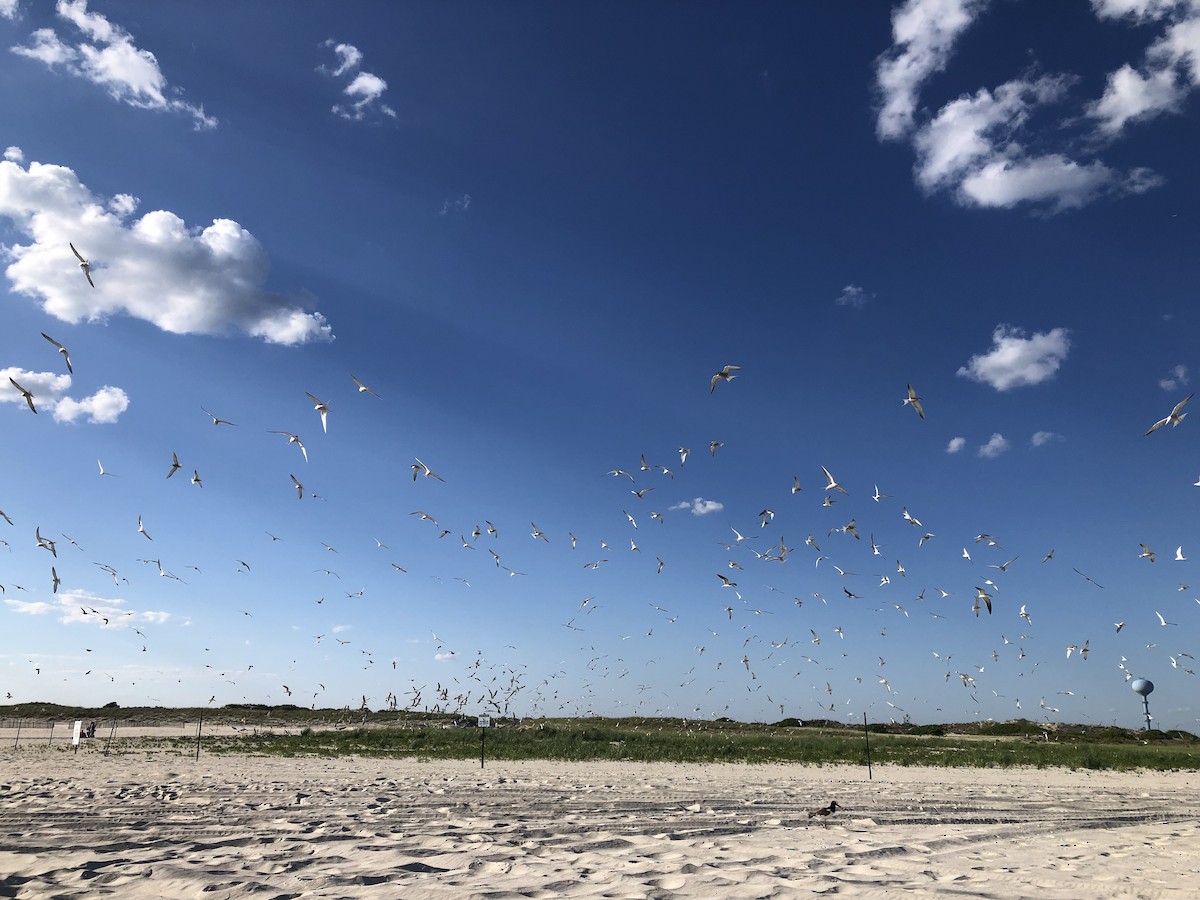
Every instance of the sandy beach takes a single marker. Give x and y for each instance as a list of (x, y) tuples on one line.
[(160, 825)]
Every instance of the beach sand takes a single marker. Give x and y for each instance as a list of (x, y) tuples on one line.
[(160, 825)]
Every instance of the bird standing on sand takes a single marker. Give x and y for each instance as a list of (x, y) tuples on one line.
[(824, 812)]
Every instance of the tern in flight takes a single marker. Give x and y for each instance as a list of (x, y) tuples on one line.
[(218, 421), (61, 349), (914, 401), (175, 466), (322, 408), (726, 374), (83, 264), (24, 393), (299, 487), (832, 484), (294, 439), (362, 388), (1176, 416)]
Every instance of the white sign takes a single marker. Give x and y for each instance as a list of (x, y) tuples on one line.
[(485, 721), (78, 729)]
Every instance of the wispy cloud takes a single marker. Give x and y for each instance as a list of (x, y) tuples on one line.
[(106, 55), (459, 204), (1016, 360), (923, 36), (956, 444), (995, 445), (8, 9), (1168, 72), (853, 296), (974, 147), (1041, 438), (83, 607), (1176, 378), (363, 90), (700, 506), (154, 268), (50, 394)]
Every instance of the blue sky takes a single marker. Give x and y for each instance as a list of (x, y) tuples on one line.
[(535, 232)]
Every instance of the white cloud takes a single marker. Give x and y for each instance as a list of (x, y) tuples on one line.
[(1041, 438), (102, 408), (338, 629), (1176, 378), (970, 147), (923, 37), (1169, 70), (8, 9), (107, 56), (973, 148), (154, 268), (1054, 179), (459, 204), (445, 656), (349, 55), (956, 444), (853, 296), (700, 506), (1017, 361), (50, 395), (963, 134), (86, 608), (364, 88), (996, 445)]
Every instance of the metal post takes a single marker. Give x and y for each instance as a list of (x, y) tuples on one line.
[(482, 744), (867, 740), (110, 736), (50, 740), (198, 725), (17, 739)]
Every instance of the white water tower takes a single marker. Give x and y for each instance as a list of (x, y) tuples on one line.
[(1143, 687)]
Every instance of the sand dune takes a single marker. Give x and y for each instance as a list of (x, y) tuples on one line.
[(145, 825)]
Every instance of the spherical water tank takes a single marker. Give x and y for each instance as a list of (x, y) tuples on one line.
[(1142, 686)]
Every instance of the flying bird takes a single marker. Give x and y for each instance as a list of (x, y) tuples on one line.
[(175, 465), (24, 393), (61, 349), (83, 264), (322, 408), (217, 421), (831, 484), (726, 374), (362, 388), (1174, 418), (914, 401), (294, 439), (299, 487)]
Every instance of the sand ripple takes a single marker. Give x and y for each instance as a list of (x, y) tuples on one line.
[(140, 827)]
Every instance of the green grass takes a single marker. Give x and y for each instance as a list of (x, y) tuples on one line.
[(292, 731)]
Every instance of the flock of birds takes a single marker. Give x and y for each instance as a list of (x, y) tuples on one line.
[(732, 660)]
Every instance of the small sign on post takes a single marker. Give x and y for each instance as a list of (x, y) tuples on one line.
[(75, 734), (484, 722)]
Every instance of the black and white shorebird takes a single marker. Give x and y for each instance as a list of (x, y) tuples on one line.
[(824, 812)]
